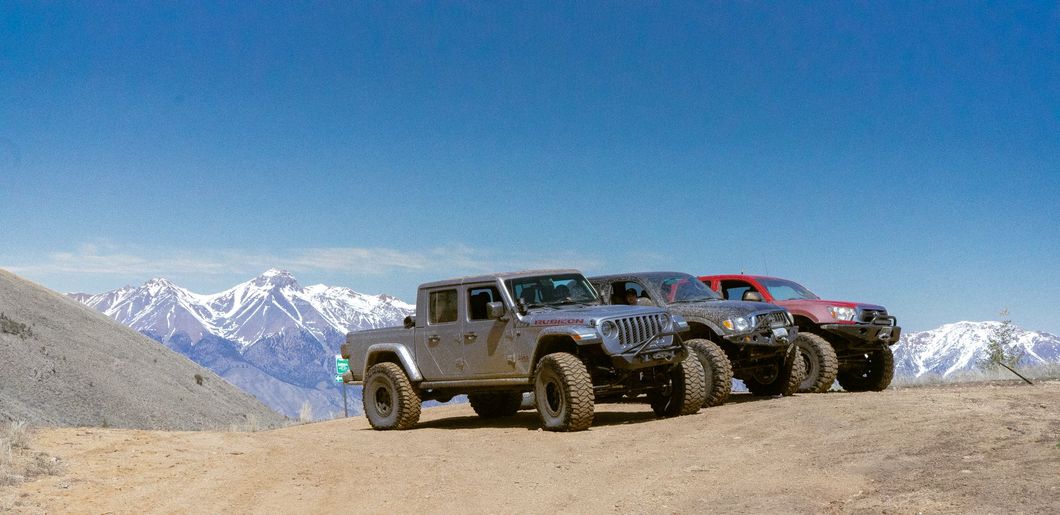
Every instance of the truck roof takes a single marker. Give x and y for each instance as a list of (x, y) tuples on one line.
[(498, 275), (637, 274)]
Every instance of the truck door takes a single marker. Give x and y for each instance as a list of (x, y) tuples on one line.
[(439, 349), (488, 348)]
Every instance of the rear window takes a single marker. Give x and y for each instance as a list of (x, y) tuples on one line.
[(442, 307)]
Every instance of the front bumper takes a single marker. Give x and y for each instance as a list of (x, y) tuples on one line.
[(768, 337), (650, 356), (869, 333)]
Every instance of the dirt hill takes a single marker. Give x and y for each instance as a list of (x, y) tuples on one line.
[(63, 364), (953, 449)]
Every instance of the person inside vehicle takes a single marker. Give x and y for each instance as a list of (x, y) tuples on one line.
[(631, 296)]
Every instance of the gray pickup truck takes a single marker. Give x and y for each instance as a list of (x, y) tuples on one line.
[(494, 337), (751, 341)]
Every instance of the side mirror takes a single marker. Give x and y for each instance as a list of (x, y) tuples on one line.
[(410, 321), (495, 310), (752, 296)]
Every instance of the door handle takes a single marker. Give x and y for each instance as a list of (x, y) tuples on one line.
[(433, 339), (470, 337)]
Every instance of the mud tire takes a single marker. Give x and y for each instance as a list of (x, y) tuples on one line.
[(389, 399), (784, 381), (495, 404), (819, 360), (875, 375), (717, 371), (563, 392), (685, 391)]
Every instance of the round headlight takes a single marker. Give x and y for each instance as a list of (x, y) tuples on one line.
[(741, 324), (666, 323), (609, 329)]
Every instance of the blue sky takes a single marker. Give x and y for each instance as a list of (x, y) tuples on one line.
[(898, 153)]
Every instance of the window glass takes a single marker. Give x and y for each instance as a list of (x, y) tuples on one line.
[(549, 290), (680, 288), (442, 306), (782, 289), (734, 290), (477, 298)]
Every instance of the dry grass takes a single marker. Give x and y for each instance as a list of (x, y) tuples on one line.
[(1037, 372), (305, 414), (18, 462)]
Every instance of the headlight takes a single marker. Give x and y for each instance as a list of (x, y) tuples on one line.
[(738, 324), (680, 324), (609, 330), (842, 313), (666, 323)]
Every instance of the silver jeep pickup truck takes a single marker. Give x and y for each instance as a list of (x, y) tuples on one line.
[(494, 337)]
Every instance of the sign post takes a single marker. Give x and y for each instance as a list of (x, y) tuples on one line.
[(341, 367)]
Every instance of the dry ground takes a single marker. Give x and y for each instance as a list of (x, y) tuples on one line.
[(971, 448)]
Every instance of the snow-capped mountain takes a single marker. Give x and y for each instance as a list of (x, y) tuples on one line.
[(267, 305), (957, 346), (270, 336)]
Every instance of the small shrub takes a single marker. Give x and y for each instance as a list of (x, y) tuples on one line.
[(17, 463), (10, 326), (199, 379), (17, 435), (1001, 348)]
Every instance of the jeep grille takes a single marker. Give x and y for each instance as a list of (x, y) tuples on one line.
[(772, 319), (638, 329)]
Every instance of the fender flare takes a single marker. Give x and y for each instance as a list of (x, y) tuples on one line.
[(710, 324), (398, 349)]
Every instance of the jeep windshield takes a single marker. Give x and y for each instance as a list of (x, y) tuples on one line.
[(782, 289), (681, 288), (552, 290)]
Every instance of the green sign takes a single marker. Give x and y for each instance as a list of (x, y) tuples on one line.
[(341, 367)]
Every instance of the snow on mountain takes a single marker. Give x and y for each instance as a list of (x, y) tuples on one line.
[(269, 335), (267, 305), (957, 346)]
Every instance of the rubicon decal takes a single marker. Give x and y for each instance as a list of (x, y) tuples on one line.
[(564, 321)]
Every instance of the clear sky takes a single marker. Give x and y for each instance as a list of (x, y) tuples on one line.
[(906, 154)]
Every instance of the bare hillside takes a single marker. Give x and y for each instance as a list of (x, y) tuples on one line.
[(954, 449), (63, 364)]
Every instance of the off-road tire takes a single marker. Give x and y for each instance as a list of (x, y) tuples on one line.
[(389, 399), (875, 375), (495, 404), (563, 391), (717, 371), (784, 382), (820, 362), (684, 393)]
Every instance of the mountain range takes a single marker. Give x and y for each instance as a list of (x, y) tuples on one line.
[(270, 336), (956, 347)]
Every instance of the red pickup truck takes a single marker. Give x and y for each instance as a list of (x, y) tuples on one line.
[(845, 341)]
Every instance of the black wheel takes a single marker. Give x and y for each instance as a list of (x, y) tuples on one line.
[(684, 391), (717, 371), (495, 404), (781, 377), (820, 362), (390, 401), (563, 391), (874, 373)]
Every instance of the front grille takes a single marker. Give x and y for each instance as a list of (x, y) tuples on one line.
[(868, 315), (772, 319), (638, 329)]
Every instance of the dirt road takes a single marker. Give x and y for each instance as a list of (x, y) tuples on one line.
[(982, 448)]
